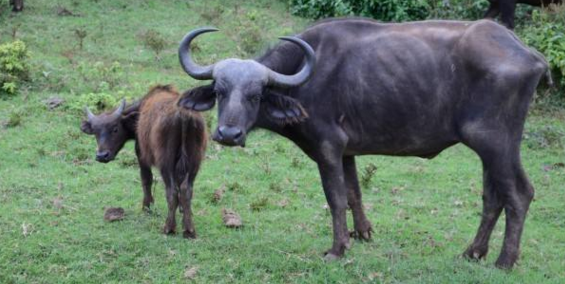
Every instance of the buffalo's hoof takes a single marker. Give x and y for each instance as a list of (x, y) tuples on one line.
[(475, 253), (189, 234), (362, 235)]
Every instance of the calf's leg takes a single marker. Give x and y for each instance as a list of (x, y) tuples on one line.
[(146, 180), (172, 203), (361, 225), (185, 198)]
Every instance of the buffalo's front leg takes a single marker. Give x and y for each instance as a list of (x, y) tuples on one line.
[(361, 225), (507, 10), (330, 166), (493, 10)]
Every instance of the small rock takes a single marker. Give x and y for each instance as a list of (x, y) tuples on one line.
[(218, 194), (53, 102), (58, 203), (114, 214), (231, 219), (190, 273), (283, 203)]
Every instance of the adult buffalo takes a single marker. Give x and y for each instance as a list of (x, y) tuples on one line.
[(506, 9), (411, 89)]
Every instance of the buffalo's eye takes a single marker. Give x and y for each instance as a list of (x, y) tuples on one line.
[(254, 98), (115, 130), (219, 95)]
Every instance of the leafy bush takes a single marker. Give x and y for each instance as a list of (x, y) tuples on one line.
[(99, 77), (458, 9), (96, 102), (250, 35), (155, 41), (384, 10), (546, 33), (14, 68)]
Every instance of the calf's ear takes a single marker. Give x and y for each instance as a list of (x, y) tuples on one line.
[(283, 109), (86, 127), (199, 99)]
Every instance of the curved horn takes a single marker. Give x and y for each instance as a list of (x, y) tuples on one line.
[(194, 70), (288, 81), (118, 112), (89, 114)]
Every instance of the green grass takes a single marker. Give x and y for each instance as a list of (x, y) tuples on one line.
[(53, 195)]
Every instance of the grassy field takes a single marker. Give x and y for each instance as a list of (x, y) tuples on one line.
[(53, 194)]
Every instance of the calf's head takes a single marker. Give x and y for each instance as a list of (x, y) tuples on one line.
[(112, 130), (242, 88)]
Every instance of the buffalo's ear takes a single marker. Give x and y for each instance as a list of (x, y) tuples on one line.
[(129, 121), (283, 109), (198, 99), (86, 127)]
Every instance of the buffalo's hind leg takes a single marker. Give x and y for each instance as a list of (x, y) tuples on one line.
[(185, 198), (492, 207), (362, 226), (505, 187)]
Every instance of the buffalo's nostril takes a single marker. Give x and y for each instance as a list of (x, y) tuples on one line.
[(102, 155), (229, 132)]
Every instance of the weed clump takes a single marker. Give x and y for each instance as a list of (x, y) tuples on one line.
[(14, 67), (14, 120), (368, 173), (155, 41)]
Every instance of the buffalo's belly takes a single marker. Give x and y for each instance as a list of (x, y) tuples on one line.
[(407, 140)]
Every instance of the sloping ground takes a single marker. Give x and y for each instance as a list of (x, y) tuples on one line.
[(53, 195)]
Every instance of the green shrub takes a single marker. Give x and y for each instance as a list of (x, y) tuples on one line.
[(546, 33), (14, 68), (98, 77), (384, 10), (155, 41), (458, 9), (96, 102)]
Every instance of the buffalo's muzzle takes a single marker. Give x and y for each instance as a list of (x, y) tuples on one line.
[(103, 156), (229, 136)]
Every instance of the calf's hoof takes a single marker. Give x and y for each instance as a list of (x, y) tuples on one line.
[(146, 205), (331, 257), (169, 230), (505, 262)]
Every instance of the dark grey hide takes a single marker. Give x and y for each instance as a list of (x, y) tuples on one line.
[(506, 9), (411, 89)]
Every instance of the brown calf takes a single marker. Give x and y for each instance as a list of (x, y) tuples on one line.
[(169, 138)]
